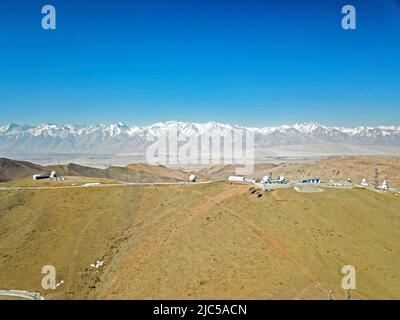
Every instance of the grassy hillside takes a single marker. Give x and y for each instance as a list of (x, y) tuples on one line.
[(204, 241)]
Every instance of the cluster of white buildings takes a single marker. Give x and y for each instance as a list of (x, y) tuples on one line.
[(280, 180), (384, 186), (265, 180)]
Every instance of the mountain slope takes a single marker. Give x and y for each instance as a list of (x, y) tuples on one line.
[(12, 169), (136, 172), (331, 168), (215, 241)]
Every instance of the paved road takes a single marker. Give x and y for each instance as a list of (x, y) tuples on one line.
[(22, 294), (109, 185)]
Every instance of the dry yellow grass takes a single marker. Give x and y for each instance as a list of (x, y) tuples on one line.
[(206, 241)]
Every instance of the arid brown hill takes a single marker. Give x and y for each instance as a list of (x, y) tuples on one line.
[(12, 169), (331, 168), (200, 241), (132, 173), (138, 172)]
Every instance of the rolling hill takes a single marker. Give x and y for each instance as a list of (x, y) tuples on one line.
[(135, 172), (335, 168), (216, 241), (12, 169)]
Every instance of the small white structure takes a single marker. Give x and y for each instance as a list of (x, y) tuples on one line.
[(241, 179), (92, 184), (41, 176), (99, 264), (364, 182), (385, 185), (236, 179), (266, 179), (52, 176), (192, 178), (314, 180), (337, 184)]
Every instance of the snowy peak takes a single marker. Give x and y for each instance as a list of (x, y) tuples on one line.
[(119, 137), (13, 127), (309, 127), (188, 128)]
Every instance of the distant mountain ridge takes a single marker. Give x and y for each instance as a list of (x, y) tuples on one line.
[(121, 138)]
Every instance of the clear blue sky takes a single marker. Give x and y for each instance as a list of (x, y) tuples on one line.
[(246, 62)]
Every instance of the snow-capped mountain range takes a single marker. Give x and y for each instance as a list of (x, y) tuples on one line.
[(120, 138)]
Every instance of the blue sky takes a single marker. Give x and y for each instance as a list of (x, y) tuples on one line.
[(247, 62)]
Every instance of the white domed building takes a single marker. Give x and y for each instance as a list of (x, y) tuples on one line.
[(266, 179), (385, 185)]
